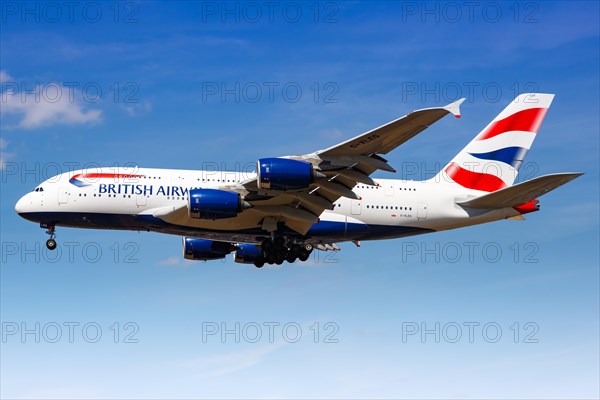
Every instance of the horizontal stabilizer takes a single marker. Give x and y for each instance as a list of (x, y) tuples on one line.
[(521, 193)]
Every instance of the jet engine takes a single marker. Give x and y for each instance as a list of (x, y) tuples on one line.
[(248, 253), (215, 204), (284, 174), (204, 250)]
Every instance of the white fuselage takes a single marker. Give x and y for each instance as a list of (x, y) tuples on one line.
[(395, 208)]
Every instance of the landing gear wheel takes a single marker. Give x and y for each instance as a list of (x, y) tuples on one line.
[(303, 255), (295, 249), (259, 262), (279, 241), (279, 260), (51, 244), (308, 247), (281, 252), (271, 258), (290, 258), (266, 245)]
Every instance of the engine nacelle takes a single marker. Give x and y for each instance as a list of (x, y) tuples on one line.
[(283, 174), (204, 250), (214, 204), (247, 253)]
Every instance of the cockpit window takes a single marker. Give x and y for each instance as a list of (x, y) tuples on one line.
[(39, 189)]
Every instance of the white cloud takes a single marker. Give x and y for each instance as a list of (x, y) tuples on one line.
[(170, 261), (46, 105), (136, 109), (4, 155), (5, 77)]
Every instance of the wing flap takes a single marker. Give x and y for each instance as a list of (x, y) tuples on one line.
[(302, 227), (287, 212), (521, 193)]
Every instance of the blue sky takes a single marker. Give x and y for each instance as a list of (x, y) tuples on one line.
[(190, 85)]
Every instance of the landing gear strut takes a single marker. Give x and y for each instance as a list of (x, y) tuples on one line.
[(276, 251), (51, 243)]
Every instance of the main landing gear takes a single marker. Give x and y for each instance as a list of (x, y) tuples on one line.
[(276, 251), (50, 243)]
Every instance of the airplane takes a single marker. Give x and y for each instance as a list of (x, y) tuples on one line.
[(293, 204)]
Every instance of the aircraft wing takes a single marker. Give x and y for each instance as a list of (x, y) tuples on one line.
[(338, 169), (333, 174), (387, 137)]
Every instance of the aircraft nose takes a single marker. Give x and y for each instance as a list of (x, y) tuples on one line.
[(23, 204)]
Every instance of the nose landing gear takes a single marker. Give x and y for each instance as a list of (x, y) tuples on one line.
[(50, 243)]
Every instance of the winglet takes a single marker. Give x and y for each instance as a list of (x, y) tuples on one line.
[(454, 107)]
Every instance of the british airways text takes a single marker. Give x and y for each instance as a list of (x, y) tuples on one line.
[(146, 190)]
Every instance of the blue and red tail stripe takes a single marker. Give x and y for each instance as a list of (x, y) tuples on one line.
[(474, 180), (528, 120), (510, 155)]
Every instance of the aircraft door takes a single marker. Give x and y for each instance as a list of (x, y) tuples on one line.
[(141, 200), (356, 207), (388, 188), (422, 211), (63, 195), (177, 181)]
